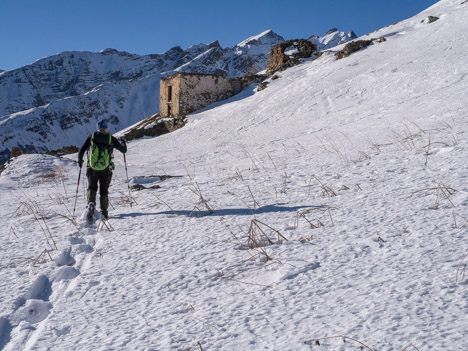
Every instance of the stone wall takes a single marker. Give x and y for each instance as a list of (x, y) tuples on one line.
[(169, 106), (190, 92), (198, 91), (288, 54)]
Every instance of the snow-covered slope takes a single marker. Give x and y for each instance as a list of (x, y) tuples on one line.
[(358, 164), (55, 101)]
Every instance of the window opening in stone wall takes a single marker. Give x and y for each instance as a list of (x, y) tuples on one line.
[(169, 110), (169, 93)]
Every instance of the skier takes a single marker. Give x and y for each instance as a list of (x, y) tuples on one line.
[(100, 166)]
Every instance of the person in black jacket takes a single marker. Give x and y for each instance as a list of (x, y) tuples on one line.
[(103, 142)]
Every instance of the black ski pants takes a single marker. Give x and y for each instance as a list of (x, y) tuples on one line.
[(103, 177)]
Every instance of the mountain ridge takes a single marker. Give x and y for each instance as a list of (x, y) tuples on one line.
[(55, 101)]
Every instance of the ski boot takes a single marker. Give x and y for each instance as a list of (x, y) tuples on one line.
[(90, 215), (104, 202)]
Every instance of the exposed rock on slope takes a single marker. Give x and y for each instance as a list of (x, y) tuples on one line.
[(288, 54)]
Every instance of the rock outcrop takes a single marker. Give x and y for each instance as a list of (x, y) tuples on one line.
[(288, 54)]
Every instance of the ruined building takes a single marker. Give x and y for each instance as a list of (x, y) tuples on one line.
[(183, 93), (288, 54)]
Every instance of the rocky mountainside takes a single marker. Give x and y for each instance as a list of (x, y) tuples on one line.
[(56, 101)]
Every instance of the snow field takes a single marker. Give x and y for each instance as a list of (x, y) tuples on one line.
[(370, 149)]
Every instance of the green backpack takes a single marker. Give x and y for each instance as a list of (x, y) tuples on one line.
[(99, 157)]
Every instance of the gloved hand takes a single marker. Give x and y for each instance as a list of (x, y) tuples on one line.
[(80, 163), (124, 144)]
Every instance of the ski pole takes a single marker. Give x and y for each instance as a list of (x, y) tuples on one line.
[(76, 196), (128, 182)]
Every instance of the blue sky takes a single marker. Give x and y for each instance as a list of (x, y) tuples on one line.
[(32, 29)]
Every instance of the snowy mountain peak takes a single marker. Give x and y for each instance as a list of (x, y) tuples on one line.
[(214, 44), (332, 37), (267, 37), (109, 51)]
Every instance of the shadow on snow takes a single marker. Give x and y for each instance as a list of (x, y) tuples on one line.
[(237, 211)]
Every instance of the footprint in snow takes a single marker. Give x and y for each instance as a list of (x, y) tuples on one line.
[(33, 311)]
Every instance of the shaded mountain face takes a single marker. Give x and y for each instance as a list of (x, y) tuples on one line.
[(56, 101)]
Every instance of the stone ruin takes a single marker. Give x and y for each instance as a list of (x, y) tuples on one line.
[(183, 93), (288, 54)]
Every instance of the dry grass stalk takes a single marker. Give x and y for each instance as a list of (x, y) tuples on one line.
[(326, 190), (363, 156), (47, 233), (410, 345), (446, 191), (318, 224), (209, 324), (253, 198), (106, 224), (241, 200), (59, 199), (197, 212), (441, 190), (461, 269), (27, 208), (69, 218), (334, 148), (455, 215), (196, 190), (343, 337), (165, 203), (252, 159), (33, 208), (428, 146), (190, 308), (309, 185), (258, 238), (188, 173), (37, 260), (126, 200), (406, 141), (271, 159), (285, 182), (237, 176), (12, 231)]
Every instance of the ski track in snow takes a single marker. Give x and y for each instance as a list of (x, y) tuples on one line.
[(371, 150)]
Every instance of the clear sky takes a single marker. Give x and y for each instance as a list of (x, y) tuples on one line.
[(32, 29)]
